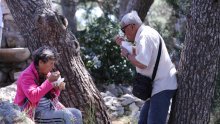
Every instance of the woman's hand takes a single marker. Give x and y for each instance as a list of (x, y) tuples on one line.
[(62, 86), (53, 76)]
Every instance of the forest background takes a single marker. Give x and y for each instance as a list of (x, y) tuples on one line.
[(97, 22), (102, 56)]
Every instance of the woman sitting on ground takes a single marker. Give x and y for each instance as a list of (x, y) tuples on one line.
[(38, 91)]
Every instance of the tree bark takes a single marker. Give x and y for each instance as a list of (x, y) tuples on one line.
[(121, 7), (69, 10), (141, 6), (39, 25), (199, 65)]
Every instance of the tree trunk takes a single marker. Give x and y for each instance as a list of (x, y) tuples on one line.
[(141, 6), (199, 65), (39, 26), (69, 10), (121, 7)]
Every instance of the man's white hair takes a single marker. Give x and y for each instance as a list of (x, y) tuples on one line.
[(130, 18)]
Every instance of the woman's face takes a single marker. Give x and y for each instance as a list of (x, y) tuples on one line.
[(45, 68)]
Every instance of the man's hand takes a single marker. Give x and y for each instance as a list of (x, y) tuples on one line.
[(53, 76), (118, 40), (124, 52)]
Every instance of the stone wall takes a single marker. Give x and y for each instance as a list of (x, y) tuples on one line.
[(118, 99), (16, 60), (11, 35), (10, 58)]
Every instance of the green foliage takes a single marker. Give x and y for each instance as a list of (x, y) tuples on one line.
[(183, 6), (101, 55), (166, 18), (90, 118), (173, 3), (160, 17)]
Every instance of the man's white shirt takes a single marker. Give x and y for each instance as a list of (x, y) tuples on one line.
[(147, 44)]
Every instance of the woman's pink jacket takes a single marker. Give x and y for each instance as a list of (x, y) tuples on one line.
[(27, 87)]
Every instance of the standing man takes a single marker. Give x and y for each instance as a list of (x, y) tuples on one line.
[(146, 41)]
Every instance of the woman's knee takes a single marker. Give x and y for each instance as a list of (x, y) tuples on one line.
[(77, 115), (76, 112)]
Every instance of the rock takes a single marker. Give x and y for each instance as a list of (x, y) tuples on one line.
[(119, 122), (11, 42), (103, 94), (8, 17), (111, 88), (8, 93), (14, 75), (11, 114), (116, 90), (133, 108), (14, 39), (126, 90), (126, 99), (3, 77), (126, 105), (4, 7), (108, 100), (20, 43), (109, 94), (120, 111), (123, 120), (114, 108), (139, 102), (21, 66), (116, 103), (9, 55), (135, 117), (113, 115), (6, 68)]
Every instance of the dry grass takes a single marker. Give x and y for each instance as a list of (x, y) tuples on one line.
[(124, 120)]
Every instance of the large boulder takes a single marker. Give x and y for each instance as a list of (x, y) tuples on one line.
[(11, 114), (10, 55)]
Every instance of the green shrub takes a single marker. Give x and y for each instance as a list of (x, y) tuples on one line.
[(101, 55)]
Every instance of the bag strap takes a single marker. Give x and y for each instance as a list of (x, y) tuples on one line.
[(157, 61)]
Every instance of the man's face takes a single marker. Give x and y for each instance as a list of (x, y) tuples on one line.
[(129, 31)]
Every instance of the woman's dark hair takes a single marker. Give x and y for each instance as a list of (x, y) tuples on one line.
[(44, 53)]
